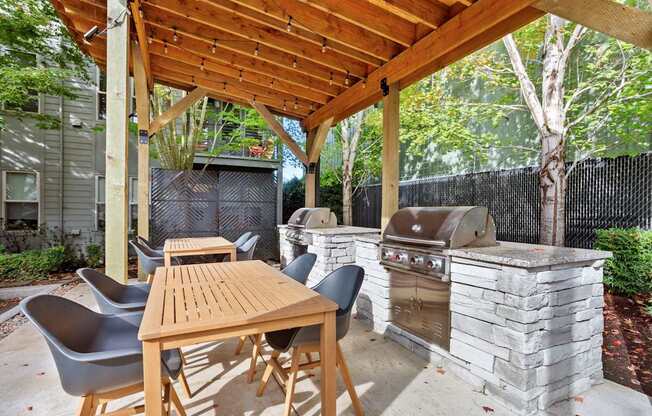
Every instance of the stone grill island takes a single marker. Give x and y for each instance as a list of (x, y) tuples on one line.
[(526, 320)]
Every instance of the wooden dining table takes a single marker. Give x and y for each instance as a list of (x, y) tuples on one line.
[(199, 303), (197, 246)]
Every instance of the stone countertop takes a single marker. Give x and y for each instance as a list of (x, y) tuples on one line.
[(529, 255), (340, 230), (373, 239)]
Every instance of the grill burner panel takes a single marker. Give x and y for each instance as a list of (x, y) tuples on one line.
[(414, 250)]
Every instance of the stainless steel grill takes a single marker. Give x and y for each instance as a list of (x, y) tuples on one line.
[(306, 219), (414, 249)]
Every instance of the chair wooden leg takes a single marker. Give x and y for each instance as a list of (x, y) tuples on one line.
[(267, 374), (103, 407), (344, 370), (291, 381), (254, 358), (184, 384), (150, 277), (241, 343), (87, 406), (176, 402), (309, 357), (166, 398)]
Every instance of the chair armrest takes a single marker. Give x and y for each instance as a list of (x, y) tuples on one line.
[(100, 356)]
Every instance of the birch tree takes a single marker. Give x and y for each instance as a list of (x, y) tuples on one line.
[(350, 133)]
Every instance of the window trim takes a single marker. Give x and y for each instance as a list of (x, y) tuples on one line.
[(129, 203), (4, 196), (98, 74)]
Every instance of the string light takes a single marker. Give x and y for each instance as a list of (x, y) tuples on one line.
[(140, 12), (257, 51), (202, 64), (346, 80), (364, 83), (240, 77), (193, 80), (296, 103), (165, 47), (285, 106), (323, 46), (254, 100), (175, 38), (271, 83), (214, 47), (149, 40), (294, 63), (311, 107), (289, 26), (330, 81), (225, 86)]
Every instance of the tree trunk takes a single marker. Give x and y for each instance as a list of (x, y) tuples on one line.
[(350, 134)]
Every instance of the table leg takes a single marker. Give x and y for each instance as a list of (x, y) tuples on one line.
[(152, 378), (233, 254), (328, 356), (168, 259)]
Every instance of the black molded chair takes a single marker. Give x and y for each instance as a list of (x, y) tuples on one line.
[(341, 286), (149, 259), (246, 251), (300, 268), (98, 357), (112, 296)]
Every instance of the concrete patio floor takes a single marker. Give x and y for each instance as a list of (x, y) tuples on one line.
[(389, 379)]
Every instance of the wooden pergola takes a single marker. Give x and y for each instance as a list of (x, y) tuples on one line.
[(318, 61)]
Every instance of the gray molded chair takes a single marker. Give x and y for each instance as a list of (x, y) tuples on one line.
[(112, 296), (300, 268), (149, 259), (149, 245), (98, 357), (237, 243), (246, 251), (341, 286)]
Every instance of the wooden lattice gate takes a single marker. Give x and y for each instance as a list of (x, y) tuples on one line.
[(215, 202)]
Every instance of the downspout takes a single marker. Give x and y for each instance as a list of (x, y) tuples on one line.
[(61, 166)]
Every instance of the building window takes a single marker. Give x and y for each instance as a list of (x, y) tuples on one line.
[(101, 95), (31, 105), (21, 200), (100, 207)]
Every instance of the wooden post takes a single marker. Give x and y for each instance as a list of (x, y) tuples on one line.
[(142, 109), (311, 174), (117, 139), (391, 149)]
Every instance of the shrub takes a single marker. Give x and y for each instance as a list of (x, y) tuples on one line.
[(31, 264), (94, 255), (630, 270)]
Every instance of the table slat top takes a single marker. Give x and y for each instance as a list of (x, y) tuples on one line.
[(199, 297), (180, 245)]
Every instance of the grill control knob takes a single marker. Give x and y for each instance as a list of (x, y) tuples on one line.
[(401, 258), (434, 264), (416, 261), (387, 254)]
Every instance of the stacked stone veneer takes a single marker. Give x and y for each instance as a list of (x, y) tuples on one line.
[(529, 336), (334, 248)]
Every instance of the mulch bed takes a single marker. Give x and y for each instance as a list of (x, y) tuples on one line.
[(627, 348), (6, 304)]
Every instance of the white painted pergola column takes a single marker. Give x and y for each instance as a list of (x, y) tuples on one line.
[(117, 138)]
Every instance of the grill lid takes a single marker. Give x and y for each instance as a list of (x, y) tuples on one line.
[(442, 227), (312, 218)]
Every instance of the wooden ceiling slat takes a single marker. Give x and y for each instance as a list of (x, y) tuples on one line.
[(468, 24), (254, 89), (428, 12), (142, 41), (185, 28), (229, 91), (248, 64), (370, 17), (280, 21), (183, 55), (255, 34)]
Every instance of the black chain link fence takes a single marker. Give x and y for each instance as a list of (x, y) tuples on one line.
[(601, 193)]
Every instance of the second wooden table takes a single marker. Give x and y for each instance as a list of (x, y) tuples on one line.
[(175, 247)]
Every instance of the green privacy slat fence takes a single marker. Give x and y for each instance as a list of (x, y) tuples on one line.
[(601, 193)]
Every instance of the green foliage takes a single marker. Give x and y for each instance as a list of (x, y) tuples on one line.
[(330, 192), (94, 255), (630, 270), (32, 264), (293, 197), (29, 28)]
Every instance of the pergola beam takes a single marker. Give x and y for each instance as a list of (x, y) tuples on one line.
[(626, 23), (428, 12), (280, 132), (176, 110), (472, 22), (256, 34), (142, 41), (319, 140)]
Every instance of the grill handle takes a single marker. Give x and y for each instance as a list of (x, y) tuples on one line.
[(407, 240)]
